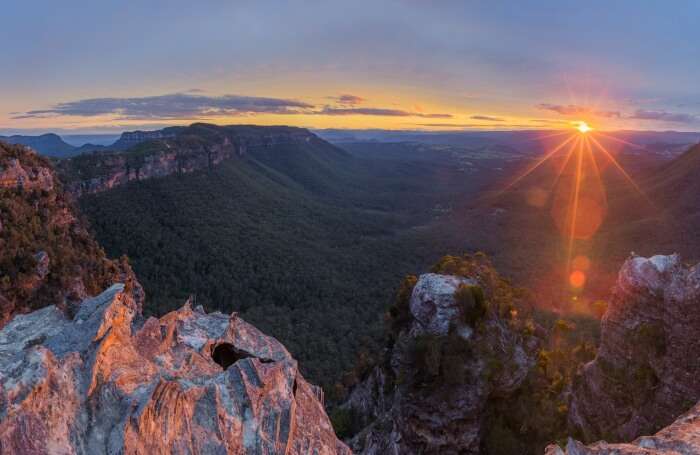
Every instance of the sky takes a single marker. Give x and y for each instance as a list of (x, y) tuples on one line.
[(108, 66)]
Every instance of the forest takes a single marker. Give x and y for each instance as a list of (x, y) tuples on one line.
[(309, 243)]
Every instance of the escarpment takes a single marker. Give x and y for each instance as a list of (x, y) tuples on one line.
[(681, 437), (141, 155), (47, 256), (647, 370), (456, 342), (107, 381)]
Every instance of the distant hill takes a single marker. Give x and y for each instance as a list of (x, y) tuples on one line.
[(47, 144)]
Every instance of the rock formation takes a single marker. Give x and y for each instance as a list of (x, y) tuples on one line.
[(647, 370), (456, 349), (177, 150), (105, 381), (682, 437), (47, 256)]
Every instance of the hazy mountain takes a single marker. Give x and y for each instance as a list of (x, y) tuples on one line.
[(47, 144)]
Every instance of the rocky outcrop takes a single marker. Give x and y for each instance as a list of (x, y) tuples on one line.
[(455, 352), (175, 150), (105, 381), (647, 370), (47, 256), (129, 139), (682, 437), (13, 175)]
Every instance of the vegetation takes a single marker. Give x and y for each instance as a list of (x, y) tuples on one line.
[(35, 219), (306, 242), (537, 414)]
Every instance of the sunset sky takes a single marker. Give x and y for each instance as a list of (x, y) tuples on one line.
[(105, 66)]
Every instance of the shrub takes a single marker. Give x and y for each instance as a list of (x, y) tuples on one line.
[(427, 354), (652, 337), (346, 422), (472, 303)]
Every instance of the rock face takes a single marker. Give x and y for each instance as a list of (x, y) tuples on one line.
[(176, 150), (106, 381), (647, 370), (47, 255), (431, 394), (680, 438)]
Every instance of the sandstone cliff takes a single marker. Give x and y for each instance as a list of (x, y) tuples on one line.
[(682, 437), (646, 372), (47, 255), (177, 150), (456, 347), (105, 381)]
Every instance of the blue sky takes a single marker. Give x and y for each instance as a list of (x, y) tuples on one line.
[(104, 66)]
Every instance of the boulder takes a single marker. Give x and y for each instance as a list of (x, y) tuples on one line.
[(105, 381)]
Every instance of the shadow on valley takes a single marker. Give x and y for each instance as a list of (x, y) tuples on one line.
[(308, 242)]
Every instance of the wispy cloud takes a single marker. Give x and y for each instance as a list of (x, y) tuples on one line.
[(487, 118), (172, 106), (575, 109), (190, 105), (642, 114), (474, 125), (548, 121), (347, 100), (384, 112)]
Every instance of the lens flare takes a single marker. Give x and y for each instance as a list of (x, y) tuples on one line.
[(577, 200), (577, 279)]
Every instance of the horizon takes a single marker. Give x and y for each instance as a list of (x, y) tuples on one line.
[(419, 68)]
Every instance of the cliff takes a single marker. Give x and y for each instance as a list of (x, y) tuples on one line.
[(680, 438), (457, 344), (47, 256), (646, 372), (105, 381), (141, 155)]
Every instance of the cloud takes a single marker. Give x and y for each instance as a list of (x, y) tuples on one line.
[(574, 109), (642, 114), (328, 110), (172, 106), (550, 121), (347, 100), (487, 118), (474, 125)]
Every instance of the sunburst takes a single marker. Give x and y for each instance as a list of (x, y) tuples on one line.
[(579, 202)]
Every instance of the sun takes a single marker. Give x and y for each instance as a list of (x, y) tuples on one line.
[(583, 127)]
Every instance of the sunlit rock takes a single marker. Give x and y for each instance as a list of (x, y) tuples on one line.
[(106, 381)]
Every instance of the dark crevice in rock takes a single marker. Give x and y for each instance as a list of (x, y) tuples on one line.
[(225, 354)]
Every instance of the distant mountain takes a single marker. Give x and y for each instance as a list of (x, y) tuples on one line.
[(47, 144), (79, 140), (141, 155)]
